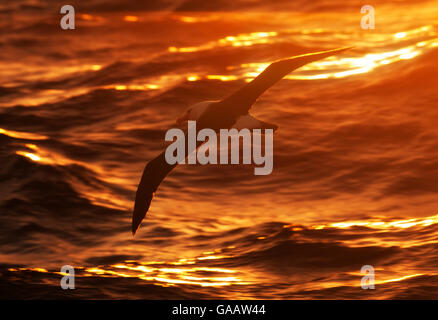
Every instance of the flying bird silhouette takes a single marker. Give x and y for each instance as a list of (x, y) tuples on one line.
[(231, 112)]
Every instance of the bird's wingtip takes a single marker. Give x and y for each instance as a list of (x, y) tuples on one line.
[(141, 206), (347, 48), (314, 56), (135, 226), (341, 49)]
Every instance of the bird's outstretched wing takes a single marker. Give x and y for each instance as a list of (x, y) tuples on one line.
[(241, 101), (154, 172)]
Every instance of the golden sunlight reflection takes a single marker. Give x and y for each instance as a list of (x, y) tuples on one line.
[(205, 17), (122, 87), (165, 276), (100, 197), (212, 257), (37, 73), (384, 275), (193, 78), (241, 40), (30, 269), (89, 17), (161, 82), (222, 78), (380, 224), (399, 279), (355, 280), (22, 135), (45, 96), (335, 67), (219, 277), (341, 66), (29, 155), (158, 274), (130, 18), (44, 156)]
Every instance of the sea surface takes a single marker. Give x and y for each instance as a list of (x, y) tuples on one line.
[(355, 176)]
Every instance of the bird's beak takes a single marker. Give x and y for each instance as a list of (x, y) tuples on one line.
[(180, 120)]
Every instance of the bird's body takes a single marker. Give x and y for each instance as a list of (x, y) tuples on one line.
[(231, 112)]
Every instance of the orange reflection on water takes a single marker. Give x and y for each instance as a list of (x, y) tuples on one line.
[(240, 40), (130, 18), (89, 17), (97, 196), (44, 156), (166, 276), (212, 257), (344, 67), (332, 67), (205, 17), (22, 135), (29, 155), (399, 279), (193, 78), (122, 87), (35, 73), (355, 281), (221, 77), (30, 269), (379, 224)]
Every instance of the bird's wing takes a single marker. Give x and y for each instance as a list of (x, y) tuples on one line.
[(241, 101), (154, 172), (249, 122)]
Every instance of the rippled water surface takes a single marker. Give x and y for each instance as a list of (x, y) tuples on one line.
[(355, 157)]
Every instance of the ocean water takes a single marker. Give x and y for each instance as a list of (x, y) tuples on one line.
[(355, 157)]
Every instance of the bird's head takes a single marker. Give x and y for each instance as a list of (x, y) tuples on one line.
[(193, 113)]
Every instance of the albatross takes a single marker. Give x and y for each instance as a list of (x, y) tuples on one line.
[(231, 112)]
